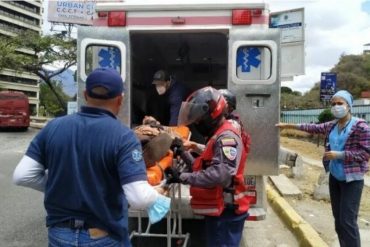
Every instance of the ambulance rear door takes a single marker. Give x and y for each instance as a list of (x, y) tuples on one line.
[(106, 47), (292, 27), (254, 76)]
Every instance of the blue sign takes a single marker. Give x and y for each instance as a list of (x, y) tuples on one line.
[(110, 58), (328, 85), (248, 57)]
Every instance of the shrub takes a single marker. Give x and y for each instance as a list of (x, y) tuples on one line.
[(325, 116)]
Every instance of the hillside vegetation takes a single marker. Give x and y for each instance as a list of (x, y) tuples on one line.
[(353, 74)]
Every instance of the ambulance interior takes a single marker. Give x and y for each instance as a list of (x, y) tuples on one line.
[(196, 59)]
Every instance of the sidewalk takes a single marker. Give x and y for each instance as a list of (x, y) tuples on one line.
[(364, 232)]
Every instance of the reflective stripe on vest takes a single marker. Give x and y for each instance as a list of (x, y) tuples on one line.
[(206, 211), (244, 194)]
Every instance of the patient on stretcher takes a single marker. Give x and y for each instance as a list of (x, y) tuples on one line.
[(156, 141)]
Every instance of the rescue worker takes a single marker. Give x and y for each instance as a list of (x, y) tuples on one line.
[(231, 115), (216, 181), (173, 91), (90, 165)]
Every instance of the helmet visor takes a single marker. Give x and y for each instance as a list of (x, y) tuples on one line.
[(191, 112)]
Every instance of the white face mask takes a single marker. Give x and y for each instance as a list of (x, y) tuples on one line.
[(161, 89), (339, 111)]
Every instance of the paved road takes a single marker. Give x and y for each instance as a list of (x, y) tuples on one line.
[(268, 233), (22, 214)]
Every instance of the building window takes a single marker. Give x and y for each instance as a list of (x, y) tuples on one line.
[(18, 16), (24, 5), (14, 79)]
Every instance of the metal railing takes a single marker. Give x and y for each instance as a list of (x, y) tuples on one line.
[(311, 115)]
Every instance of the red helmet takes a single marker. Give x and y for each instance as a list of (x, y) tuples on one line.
[(205, 109)]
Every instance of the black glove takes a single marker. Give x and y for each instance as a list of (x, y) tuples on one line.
[(177, 147), (172, 175)]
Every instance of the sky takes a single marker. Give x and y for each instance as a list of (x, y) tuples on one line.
[(333, 28)]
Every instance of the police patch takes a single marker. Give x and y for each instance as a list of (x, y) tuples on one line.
[(229, 152), (137, 155)]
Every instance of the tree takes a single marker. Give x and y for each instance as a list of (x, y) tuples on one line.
[(287, 90), (353, 74), (40, 53), (50, 103), (5, 55), (289, 98)]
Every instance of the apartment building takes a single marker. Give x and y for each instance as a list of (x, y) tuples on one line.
[(15, 17), (367, 48)]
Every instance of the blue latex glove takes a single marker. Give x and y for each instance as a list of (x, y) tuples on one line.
[(159, 209)]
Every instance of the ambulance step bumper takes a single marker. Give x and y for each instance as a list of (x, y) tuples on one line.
[(256, 214)]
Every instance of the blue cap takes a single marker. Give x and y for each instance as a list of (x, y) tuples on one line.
[(346, 96), (107, 78)]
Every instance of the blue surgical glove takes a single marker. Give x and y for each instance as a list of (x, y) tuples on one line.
[(159, 209)]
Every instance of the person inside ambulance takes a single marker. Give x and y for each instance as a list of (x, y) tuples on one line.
[(173, 91), (216, 179)]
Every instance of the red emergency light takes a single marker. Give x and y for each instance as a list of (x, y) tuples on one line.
[(245, 16), (242, 17), (116, 18)]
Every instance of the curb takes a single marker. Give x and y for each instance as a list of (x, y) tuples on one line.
[(37, 125), (306, 235)]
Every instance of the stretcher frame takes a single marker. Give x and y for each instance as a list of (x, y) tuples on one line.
[(173, 229)]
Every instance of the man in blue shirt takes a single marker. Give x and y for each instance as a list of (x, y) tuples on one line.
[(90, 167)]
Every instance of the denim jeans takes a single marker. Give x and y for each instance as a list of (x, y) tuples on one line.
[(67, 237), (345, 202), (225, 230)]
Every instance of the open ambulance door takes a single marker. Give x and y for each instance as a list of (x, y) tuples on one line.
[(292, 27), (254, 77), (108, 48)]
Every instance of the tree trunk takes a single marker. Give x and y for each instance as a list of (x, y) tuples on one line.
[(60, 100), (47, 80)]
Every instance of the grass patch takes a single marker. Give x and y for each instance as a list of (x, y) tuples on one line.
[(317, 139)]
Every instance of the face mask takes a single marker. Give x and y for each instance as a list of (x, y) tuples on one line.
[(339, 111), (159, 209), (160, 89)]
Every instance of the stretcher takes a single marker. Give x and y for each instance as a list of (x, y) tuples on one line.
[(173, 234)]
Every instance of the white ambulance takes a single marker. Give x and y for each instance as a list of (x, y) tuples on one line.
[(231, 44)]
